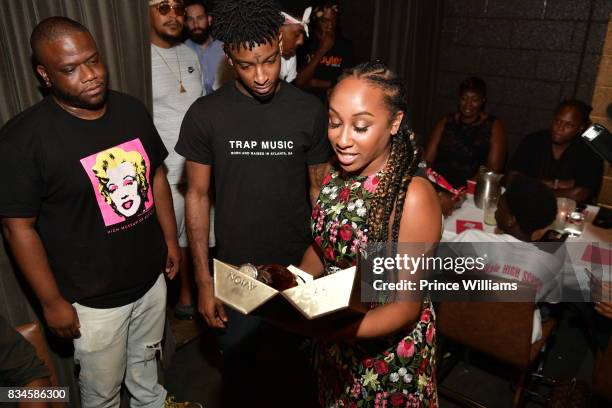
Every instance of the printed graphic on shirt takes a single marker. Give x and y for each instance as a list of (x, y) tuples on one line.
[(261, 147), (120, 177), (334, 61)]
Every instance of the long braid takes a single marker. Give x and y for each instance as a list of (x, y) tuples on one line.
[(408, 171), (403, 159)]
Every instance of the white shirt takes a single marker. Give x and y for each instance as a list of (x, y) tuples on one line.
[(288, 70), (168, 65), (521, 261)]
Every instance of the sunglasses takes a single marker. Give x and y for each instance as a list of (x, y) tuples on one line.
[(164, 8)]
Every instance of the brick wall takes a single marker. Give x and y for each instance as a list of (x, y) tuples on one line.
[(602, 107), (531, 53)]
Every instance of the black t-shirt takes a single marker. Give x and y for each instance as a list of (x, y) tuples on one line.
[(259, 153), (534, 157), (90, 185), (333, 63)]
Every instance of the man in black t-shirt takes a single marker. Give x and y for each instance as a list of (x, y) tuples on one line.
[(87, 212), (261, 138), (327, 53), (559, 157)]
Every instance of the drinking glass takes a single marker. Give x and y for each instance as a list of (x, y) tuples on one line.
[(575, 224), (565, 206)]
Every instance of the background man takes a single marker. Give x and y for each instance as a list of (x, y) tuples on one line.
[(210, 51), (259, 136), (520, 223), (294, 30), (559, 157), (97, 276), (327, 53), (176, 81)]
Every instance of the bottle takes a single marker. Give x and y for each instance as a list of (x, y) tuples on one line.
[(276, 276)]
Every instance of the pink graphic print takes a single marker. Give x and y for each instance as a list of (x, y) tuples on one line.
[(120, 179)]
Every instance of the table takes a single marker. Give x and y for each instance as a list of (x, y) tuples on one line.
[(469, 212), (576, 248)]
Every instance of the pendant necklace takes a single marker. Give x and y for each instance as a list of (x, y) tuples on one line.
[(178, 77)]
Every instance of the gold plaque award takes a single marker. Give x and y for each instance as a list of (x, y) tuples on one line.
[(323, 296), (314, 298), (238, 289)]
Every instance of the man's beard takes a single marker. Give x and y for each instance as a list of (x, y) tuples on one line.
[(201, 37), (170, 39), (78, 102)]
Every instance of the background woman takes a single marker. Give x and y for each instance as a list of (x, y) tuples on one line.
[(463, 141), (371, 196)]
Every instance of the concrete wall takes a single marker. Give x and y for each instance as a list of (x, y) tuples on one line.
[(531, 53)]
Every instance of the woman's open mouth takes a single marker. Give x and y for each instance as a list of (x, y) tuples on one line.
[(346, 159)]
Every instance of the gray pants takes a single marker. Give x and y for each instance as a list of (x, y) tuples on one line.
[(122, 342)]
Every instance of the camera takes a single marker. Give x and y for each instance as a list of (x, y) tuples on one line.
[(600, 140)]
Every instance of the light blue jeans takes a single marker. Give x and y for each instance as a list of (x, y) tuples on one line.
[(122, 342)]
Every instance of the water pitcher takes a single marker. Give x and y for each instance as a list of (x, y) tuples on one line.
[(487, 185)]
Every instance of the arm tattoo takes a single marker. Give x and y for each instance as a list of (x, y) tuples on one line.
[(316, 173)]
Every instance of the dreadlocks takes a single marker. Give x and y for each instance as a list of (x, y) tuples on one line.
[(403, 160), (246, 23)]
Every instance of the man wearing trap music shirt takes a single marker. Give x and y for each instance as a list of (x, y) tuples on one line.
[(259, 153), (258, 140)]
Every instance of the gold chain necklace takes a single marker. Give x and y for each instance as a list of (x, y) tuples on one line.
[(179, 78)]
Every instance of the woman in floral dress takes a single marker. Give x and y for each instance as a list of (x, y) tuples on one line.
[(386, 358)]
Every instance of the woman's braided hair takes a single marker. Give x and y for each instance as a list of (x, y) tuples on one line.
[(403, 160)]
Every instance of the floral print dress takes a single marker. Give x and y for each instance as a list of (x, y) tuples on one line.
[(394, 371)]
